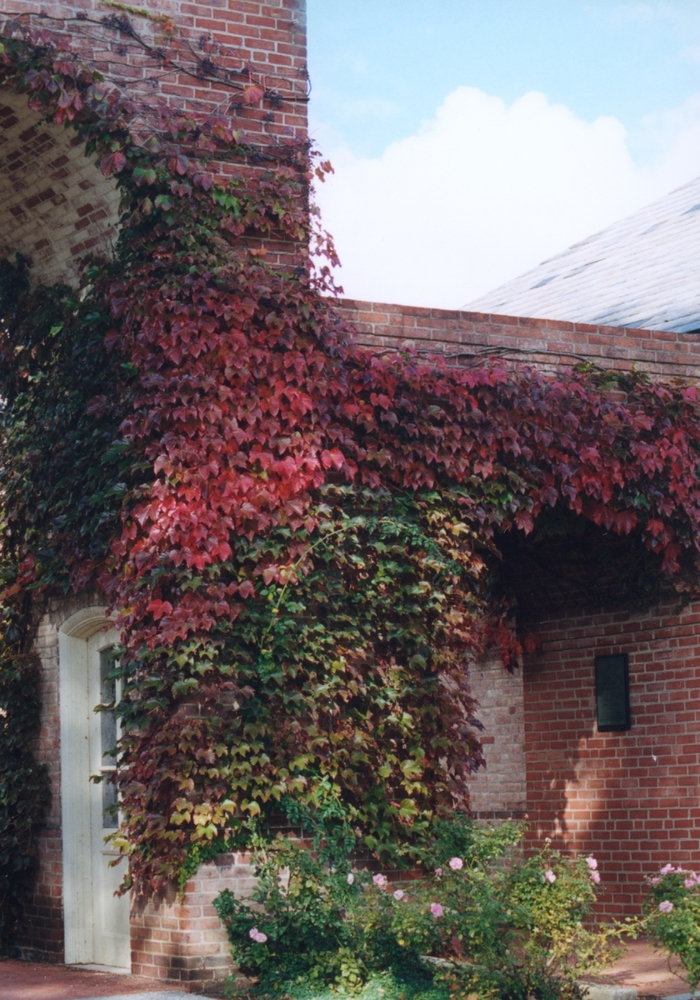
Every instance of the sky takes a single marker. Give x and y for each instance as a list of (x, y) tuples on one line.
[(472, 139)]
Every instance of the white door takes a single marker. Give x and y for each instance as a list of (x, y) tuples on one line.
[(96, 921), (111, 941)]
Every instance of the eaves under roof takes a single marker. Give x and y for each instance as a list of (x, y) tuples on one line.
[(643, 271)]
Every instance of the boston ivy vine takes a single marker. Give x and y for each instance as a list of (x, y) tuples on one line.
[(299, 535)]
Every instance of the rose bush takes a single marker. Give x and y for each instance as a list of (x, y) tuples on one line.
[(486, 921), (672, 916)]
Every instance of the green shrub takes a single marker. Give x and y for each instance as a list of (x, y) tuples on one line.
[(483, 920), (672, 917), (328, 925)]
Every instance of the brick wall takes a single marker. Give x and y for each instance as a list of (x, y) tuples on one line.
[(264, 37), (184, 941), (632, 798), (55, 206), (498, 790), (546, 343)]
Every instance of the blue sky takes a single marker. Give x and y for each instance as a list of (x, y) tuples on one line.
[(422, 106)]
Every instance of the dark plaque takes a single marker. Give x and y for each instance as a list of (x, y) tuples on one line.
[(612, 692)]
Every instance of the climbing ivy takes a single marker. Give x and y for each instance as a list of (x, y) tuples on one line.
[(23, 785), (300, 536)]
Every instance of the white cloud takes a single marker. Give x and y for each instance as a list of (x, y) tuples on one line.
[(671, 141), (484, 191)]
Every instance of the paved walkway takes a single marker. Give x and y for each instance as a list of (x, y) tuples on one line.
[(647, 970), (39, 981), (641, 967)]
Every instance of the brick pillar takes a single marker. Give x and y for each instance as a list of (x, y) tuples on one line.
[(498, 791), (183, 941)]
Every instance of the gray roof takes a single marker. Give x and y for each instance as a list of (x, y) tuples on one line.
[(643, 271)]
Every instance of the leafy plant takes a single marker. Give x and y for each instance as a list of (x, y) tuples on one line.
[(484, 921), (672, 917)]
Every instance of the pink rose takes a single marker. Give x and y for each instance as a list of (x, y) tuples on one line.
[(257, 935), (351, 878), (689, 883), (655, 880), (436, 910), (399, 894), (591, 862), (666, 906), (550, 876), (456, 864), (666, 869), (438, 872), (595, 877), (380, 880)]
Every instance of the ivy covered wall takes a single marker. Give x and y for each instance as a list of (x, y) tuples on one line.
[(302, 536)]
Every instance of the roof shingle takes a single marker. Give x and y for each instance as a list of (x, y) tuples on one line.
[(643, 271)]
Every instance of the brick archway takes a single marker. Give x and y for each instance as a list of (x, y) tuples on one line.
[(55, 206)]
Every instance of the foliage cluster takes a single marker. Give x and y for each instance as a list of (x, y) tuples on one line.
[(498, 925), (24, 786), (672, 917), (298, 534), (63, 474)]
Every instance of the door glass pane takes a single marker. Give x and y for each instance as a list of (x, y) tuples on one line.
[(110, 818), (108, 739), (108, 720)]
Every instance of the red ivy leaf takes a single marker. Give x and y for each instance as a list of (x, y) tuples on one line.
[(524, 521), (159, 608), (112, 163), (178, 165), (253, 93), (670, 562), (626, 522)]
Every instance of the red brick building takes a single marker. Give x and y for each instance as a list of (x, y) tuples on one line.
[(629, 796)]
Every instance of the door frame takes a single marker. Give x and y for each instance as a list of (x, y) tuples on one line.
[(75, 716)]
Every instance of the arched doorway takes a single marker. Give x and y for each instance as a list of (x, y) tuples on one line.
[(96, 921)]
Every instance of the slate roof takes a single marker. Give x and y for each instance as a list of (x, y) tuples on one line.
[(643, 271)]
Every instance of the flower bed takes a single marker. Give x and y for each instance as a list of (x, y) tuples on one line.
[(482, 919)]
